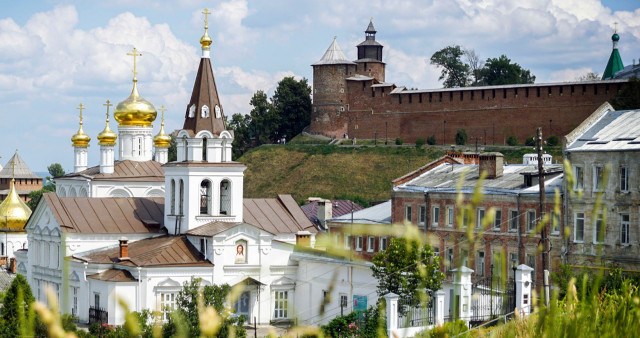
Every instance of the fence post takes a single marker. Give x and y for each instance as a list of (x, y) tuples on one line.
[(439, 304), (392, 313), (462, 292), (523, 289)]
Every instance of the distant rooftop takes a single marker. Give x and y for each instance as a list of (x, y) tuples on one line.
[(613, 131), (377, 214), (21, 169), (333, 56)]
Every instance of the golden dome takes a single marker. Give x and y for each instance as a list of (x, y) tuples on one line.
[(162, 140), (80, 139), (205, 40), (135, 110), (14, 213), (107, 137)]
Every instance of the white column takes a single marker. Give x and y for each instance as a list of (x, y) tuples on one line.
[(523, 289), (194, 149), (462, 292), (107, 159), (392, 313), (135, 143), (227, 149), (162, 155), (217, 150), (439, 302), (80, 159)]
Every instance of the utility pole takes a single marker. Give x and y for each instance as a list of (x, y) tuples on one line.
[(544, 229)]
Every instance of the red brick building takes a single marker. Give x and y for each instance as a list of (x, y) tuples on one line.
[(25, 180), (353, 98)]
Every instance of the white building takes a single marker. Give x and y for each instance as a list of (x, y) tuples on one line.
[(141, 247)]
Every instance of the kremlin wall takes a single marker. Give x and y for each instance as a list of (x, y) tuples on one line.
[(353, 98)]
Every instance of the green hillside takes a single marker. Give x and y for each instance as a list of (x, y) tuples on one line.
[(361, 174)]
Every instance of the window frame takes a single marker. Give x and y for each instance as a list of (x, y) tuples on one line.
[(624, 224), (598, 225), (164, 310), (381, 246), (451, 217), (514, 221), (435, 215), (480, 264), (479, 219), (623, 175), (557, 217), (359, 243), (578, 175), (497, 222), (598, 177), (408, 210), (281, 304), (371, 243), (422, 214), (575, 227), (531, 223)]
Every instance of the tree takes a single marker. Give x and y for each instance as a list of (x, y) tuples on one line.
[(500, 71), (461, 137), (431, 140), (530, 141), (397, 270), (264, 122), (173, 149), (553, 141), (475, 65), (628, 97), (240, 125), (419, 143), (590, 76), (55, 170), (36, 195), (15, 310), (455, 73), (292, 103), (512, 140)]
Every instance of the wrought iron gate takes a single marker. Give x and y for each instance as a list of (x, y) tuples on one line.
[(490, 298)]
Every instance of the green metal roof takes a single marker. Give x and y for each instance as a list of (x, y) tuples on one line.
[(613, 66)]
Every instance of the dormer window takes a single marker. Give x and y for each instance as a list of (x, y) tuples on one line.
[(192, 111), (205, 111), (217, 111)]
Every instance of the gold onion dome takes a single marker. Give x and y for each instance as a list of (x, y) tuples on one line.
[(205, 40), (14, 213), (80, 139), (162, 140), (107, 137), (135, 110)]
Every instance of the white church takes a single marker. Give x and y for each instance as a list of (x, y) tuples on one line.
[(137, 228)]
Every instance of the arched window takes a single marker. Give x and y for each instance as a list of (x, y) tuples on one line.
[(204, 149), (173, 197), (205, 198), (205, 111), (223, 158), (225, 197), (181, 198)]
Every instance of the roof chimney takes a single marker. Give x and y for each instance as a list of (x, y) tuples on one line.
[(124, 249), (325, 211), (303, 238), (492, 163)]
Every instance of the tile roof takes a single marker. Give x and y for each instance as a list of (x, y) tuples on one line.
[(212, 228), (613, 131), (126, 170), (21, 169), (151, 252), (339, 208), (114, 275), (377, 214), (107, 215)]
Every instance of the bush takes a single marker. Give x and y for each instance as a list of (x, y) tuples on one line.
[(530, 141), (449, 329), (431, 140), (461, 137), (399, 141), (419, 142), (512, 140), (356, 324), (553, 141)]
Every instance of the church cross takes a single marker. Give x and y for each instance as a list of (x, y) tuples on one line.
[(134, 53), (615, 29), (13, 167), (162, 109), (81, 107), (206, 12), (108, 104)]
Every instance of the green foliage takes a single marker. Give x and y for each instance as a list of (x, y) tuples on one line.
[(530, 141), (431, 140), (461, 137), (173, 149), (553, 141), (241, 135), (367, 323), (36, 195), (406, 268), (16, 308), (455, 73), (419, 142), (500, 71), (449, 329), (629, 96), (512, 140), (399, 141), (292, 103), (55, 170)]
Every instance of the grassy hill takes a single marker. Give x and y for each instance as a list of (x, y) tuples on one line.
[(362, 174)]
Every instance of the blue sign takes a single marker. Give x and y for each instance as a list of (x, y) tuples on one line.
[(359, 303)]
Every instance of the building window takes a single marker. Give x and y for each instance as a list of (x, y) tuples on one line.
[(450, 217), (579, 224), (497, 223), (203, 246), (371, 243), (204, 149), (531, 262), (167, 304), (407, 213), (599, 231), (225, 197), (344, 301), (359, 243), (181, 198), (624, 229), (450, 259), (422, 214), (96, 300), (578, 175), (383, 244), (480, 264), (347, 242), (205, 197), (513, 262), (465, 216), (74, 305), (436, 216), (173, 197), (281, 305), (480, 217), (513, 220), (598, 176), (555, 223), (531, 220), (624, 179)]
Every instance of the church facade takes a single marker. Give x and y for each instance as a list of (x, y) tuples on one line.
[(135, 230), (353, 98)]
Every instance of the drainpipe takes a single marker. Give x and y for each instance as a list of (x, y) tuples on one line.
[(519, 226)]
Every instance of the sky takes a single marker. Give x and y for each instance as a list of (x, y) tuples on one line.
[(55, 55)]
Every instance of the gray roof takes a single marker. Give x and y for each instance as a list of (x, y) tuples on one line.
[(21, 170), (445, 177), (613, 131), (377, 214), (628, 72), (333, 56), (359, 77), (370, 28)]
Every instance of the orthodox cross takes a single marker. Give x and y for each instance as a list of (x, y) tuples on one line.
[(162, 109), (615, 29), (13, 167), (81, 107), (206, 12), (134, 53), (108, 104)]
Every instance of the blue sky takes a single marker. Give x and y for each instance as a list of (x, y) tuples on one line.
[(57, 54)]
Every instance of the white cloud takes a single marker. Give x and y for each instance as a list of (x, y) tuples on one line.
[(568, 75)]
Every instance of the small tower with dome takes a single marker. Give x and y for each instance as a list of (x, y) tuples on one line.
[(615, 61), (80, 142)]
